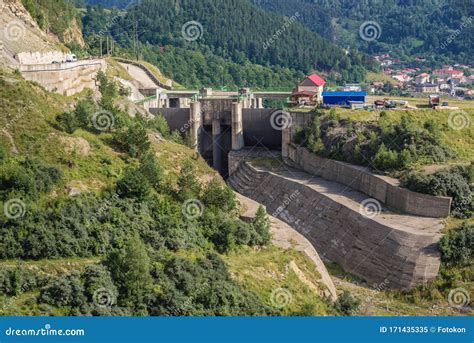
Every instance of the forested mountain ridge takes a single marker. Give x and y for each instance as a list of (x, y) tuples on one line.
[(106, 3), (238, 32), (438, 30)]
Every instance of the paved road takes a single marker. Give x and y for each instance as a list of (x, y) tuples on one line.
[(139, 75)]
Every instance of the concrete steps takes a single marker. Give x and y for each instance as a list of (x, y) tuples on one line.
[(246, 179)]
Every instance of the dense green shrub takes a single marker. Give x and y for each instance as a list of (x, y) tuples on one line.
[(382, 145), (95, 278), (160, 124), (261, 225), (133, 184), (80, 117), (133, 140), (453, 182), (150, 169), (130, 270), (29, 178), (84, 225), (64, 291), (14, 281), (109, 91), (218, 195), (347, 304), (188, 184), (129, 283), (227, 232), (457, 246), (202, 287), (67, 122)]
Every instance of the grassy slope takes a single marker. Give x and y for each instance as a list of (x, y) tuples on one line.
[(29, 110), (268, 270), (378, 301), (373, 76), (160, 76)]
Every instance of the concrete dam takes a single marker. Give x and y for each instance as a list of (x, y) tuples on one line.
[(324, 200)]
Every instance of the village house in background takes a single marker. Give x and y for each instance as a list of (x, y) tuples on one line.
[(427, 88), (452, 80), (309, 91)]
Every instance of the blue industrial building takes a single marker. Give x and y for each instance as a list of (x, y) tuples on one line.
[(342, 98)]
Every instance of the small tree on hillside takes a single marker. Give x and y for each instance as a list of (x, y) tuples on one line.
[(219, 196), (188, 184), (130, 270), (150, 169), (134, 140), (261, 225), (109, 91), (133, 185)]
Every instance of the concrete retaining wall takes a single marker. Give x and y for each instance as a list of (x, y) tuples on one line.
[(382, 188), (379, 252), (64, 78)]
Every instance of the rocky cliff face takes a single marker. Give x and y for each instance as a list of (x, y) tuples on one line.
[(19, 32), (74, 35)]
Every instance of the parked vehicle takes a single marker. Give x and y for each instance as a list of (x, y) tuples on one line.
[(71, 58), (434, 100), (379, 103)]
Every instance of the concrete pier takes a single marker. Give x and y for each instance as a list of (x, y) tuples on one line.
[(237, 126), (195, 123), (216, 145)]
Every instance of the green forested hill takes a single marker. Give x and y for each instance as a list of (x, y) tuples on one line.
[(408, 28), (107, 3), (236, 32)]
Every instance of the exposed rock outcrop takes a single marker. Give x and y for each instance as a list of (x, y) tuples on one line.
[(19, 32)]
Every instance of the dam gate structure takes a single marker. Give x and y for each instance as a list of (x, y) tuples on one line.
[(328, 200)]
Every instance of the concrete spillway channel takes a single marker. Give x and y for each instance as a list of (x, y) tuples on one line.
[(381, 247)]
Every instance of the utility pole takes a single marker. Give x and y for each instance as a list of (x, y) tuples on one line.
[(135, 38), (100, 46)]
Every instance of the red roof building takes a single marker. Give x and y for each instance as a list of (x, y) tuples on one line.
[(447, 72), (316, 79), (309, 91)]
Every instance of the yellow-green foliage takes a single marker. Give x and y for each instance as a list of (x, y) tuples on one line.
[(269, 270), (115, 69)]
